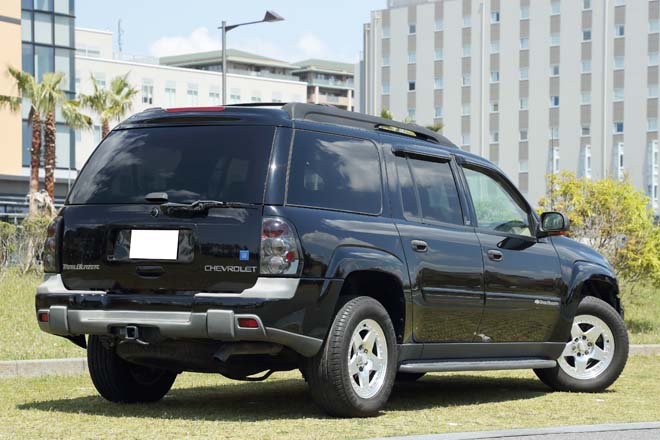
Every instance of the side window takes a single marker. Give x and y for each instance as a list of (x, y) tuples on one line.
[(434, 186), (495, 207), (334, 172)]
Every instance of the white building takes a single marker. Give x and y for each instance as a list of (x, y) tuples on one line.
[(166, 86), (537, 86)]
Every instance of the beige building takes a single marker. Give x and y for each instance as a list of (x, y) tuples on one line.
[(328, 82), (10, 55)]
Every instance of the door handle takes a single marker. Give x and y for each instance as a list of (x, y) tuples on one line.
[(495, 255), (149, 271), (419, 246)]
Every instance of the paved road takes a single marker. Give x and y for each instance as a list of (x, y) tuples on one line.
[(620, 431)]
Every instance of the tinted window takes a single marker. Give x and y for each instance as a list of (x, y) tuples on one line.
[(436, 188), (407, 188), (188, 163), (495, 206), (334, 172)]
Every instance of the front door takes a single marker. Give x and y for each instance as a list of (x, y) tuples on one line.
[(442, 251), (522, 274)]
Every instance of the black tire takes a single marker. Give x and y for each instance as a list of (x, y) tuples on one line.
[(408, 377), (123, 382), (328, 372), (557, 379)]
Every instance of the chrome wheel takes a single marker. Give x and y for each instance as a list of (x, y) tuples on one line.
[(367, 359), (590, 350)]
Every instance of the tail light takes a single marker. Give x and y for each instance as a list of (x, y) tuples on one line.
[(51, 256), (280, 253)]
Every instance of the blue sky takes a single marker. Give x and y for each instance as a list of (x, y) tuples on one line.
[(320, 29)]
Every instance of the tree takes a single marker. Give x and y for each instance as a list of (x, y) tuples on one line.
[(386, 114), (613, 218), (109, 104), (435, 127)]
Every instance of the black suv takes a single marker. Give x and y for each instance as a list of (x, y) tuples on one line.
[(244, 240)]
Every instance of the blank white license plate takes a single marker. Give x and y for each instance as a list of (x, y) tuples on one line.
[(153, 244)]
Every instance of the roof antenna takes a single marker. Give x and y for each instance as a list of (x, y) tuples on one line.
[(120, 34)]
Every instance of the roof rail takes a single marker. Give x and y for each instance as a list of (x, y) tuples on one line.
[(334, 115)]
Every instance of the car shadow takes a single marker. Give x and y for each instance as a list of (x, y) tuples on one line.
[(289, 399)]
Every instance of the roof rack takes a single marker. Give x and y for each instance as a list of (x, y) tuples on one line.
[(333, 115)]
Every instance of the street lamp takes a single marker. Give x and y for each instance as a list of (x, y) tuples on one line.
[(270, 16)]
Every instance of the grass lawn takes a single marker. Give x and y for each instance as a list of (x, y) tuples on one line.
[(20, 337), (210, 406)]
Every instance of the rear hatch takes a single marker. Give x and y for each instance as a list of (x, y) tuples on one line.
[(168, 209)]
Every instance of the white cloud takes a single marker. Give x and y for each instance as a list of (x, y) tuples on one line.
[(311, 46), (199, 40)]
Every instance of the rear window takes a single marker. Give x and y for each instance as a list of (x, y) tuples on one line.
[(335, 172), (224, 163)]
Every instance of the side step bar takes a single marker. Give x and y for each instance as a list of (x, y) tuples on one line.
[(436, 366)]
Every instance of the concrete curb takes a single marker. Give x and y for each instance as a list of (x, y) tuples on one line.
[(73, 366), (43, 367), (578, 429)]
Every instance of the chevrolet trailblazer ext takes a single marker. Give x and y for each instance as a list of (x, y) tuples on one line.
[(244, 240)]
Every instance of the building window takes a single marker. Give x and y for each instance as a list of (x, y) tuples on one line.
[(235, 95), (411, 86), (554, 133), (439, 83), (652, 124), (620, 156), (586, 66), (147, 92), (192, 95), (653, 91), (439, 24), (494, 106), (438, 112), (523, 135), (214, 97), (466, 109), (586, 4), (619, 2), (170, 95), (412, 28), (585, 130), (619, 30), (523, 165), (654, 26), (555, 39), (619, 62), (524, 12), (653, 58), (386, 32), (43, 28), (618, 127), (466, 79), (412, 58), (256, 96), (587, 161), (439, 54), (555, 7), (524, 73), (465, 139), (524, 43), (494, 16), (619, 94), (585, 97), (586, 34), (555, 160), (386, 88), (467, 50), (554, 70), (554, 101), (494, 76), (495, 46), (467, 21), (386, 60), (524, 103), (411, 114), (494, 136)]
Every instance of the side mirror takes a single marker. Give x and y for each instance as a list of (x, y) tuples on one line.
[(554, 223)]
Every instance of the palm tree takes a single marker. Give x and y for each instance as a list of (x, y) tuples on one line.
[(110, 104)]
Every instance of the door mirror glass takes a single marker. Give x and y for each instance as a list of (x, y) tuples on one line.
[(554, 223)]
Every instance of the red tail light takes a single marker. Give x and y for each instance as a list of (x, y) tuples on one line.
[(280, 251), (248, 323), (51, 255)]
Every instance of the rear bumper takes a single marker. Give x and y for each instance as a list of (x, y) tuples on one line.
[(293, 313)]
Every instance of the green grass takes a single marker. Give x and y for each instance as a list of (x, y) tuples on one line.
[(210, 406), (20, 337)]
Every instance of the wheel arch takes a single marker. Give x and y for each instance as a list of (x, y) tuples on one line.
[(596, 281)]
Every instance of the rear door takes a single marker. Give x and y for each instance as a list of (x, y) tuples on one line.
[(441, 248), (115, 239)]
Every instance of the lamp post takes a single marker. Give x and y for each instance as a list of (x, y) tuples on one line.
[(271, 16)]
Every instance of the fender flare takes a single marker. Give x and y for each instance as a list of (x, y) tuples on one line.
[(348, 259), (584, 271)]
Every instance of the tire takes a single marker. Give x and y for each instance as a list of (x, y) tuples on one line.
[(408, 377), (590, 368), (123, 382), (328, 373)]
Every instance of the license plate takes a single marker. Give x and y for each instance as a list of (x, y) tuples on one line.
[(153, 244)]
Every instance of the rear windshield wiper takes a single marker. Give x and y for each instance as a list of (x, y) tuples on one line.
[(198, 207)]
